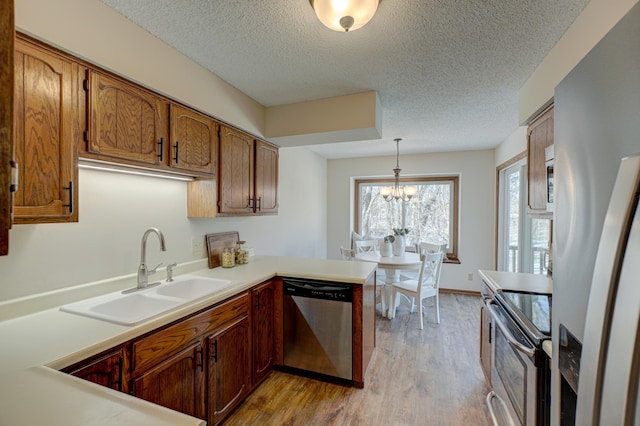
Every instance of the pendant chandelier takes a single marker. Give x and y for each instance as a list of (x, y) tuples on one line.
[(344, 15), (402, 193)]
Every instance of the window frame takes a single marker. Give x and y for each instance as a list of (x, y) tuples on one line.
[(454, 180)]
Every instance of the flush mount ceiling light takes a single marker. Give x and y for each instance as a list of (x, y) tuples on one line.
[(402, 193), (344, 15)]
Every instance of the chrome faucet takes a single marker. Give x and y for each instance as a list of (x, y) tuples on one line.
[(143, 271)]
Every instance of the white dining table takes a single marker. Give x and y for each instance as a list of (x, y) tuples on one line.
[(392, 265)]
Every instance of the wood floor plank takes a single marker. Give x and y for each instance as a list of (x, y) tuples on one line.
[(417, 377)]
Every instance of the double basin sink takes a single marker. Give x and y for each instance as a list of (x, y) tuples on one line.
[(141, 305)]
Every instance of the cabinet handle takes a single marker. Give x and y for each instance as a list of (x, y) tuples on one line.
[(250, 203), (215, 351), (176, 150), (259, 203), (258, 307), (70, 189), (161, 148), (120, 361), (201, 354), (13, 187), (490, 326)]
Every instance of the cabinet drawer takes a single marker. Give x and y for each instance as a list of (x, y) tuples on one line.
[(151, 349)]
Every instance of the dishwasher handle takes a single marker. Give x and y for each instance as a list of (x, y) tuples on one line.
[(318, 290)]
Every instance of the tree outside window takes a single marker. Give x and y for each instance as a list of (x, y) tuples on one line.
[(431, 214)]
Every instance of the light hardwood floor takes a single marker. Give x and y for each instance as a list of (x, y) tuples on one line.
[(417, 377)]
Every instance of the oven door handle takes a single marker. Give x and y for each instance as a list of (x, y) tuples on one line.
[(490, 397), (527, 350)]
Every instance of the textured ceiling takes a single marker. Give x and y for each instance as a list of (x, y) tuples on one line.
[(447, 71)]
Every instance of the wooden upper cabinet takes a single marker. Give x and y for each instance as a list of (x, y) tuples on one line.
[(125, 122), (194, 141), (236, 190), (7, 25), (248, 179), (266, 177), (539, 137), (45, 113)]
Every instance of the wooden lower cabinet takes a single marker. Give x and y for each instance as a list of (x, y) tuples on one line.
[(199, 366), (107, 369), (205, 365), (229, 368), (485, 343), (262, 332), (177, 383)]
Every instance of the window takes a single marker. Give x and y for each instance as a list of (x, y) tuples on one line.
[(523, 240), (431, 215)]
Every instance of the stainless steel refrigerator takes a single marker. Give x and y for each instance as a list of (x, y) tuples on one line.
[(597, 123)]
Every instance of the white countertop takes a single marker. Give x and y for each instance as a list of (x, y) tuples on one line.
[(500, 280), (35, 334)]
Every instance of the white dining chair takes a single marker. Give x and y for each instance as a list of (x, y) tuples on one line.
[(346, 253), (362, 246), (365, 245), (426, 286)]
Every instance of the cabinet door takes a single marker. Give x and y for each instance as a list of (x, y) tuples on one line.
[(236, 172), (266, 177), (540, 136), (7, 28), (125, 122), (176, 383), (485, 343), (106, 370), (45, 104), (229, 368), (262, 330), (194, 141)]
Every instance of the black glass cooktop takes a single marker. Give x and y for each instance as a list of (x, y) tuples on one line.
[(532, 311)]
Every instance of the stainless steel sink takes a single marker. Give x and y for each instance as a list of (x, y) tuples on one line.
[(133, 308)]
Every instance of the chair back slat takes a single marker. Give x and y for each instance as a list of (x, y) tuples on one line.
[(366, 245), (430, 269)]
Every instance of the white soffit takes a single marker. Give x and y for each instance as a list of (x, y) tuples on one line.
[(339, 119)]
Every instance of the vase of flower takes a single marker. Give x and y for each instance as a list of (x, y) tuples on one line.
[(398, 246), (400, 241), (386, 249)]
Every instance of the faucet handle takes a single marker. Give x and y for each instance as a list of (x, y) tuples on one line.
[(170, 271), (153, 271)]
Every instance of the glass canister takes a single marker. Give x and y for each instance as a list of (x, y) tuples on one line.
[(227, 258), (242, 256)]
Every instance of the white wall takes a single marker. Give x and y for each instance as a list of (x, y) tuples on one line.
[(476, 221), (91, 30), (115, 210), (515, 144)]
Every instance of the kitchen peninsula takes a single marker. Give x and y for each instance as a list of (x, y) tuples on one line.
[(39, 339)]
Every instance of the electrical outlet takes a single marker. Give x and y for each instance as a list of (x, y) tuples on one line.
[(197, 246), (470, 277)]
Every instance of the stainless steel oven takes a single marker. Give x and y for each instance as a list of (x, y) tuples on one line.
[(520, 368)]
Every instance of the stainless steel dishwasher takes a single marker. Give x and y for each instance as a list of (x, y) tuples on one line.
[(318, 327)]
